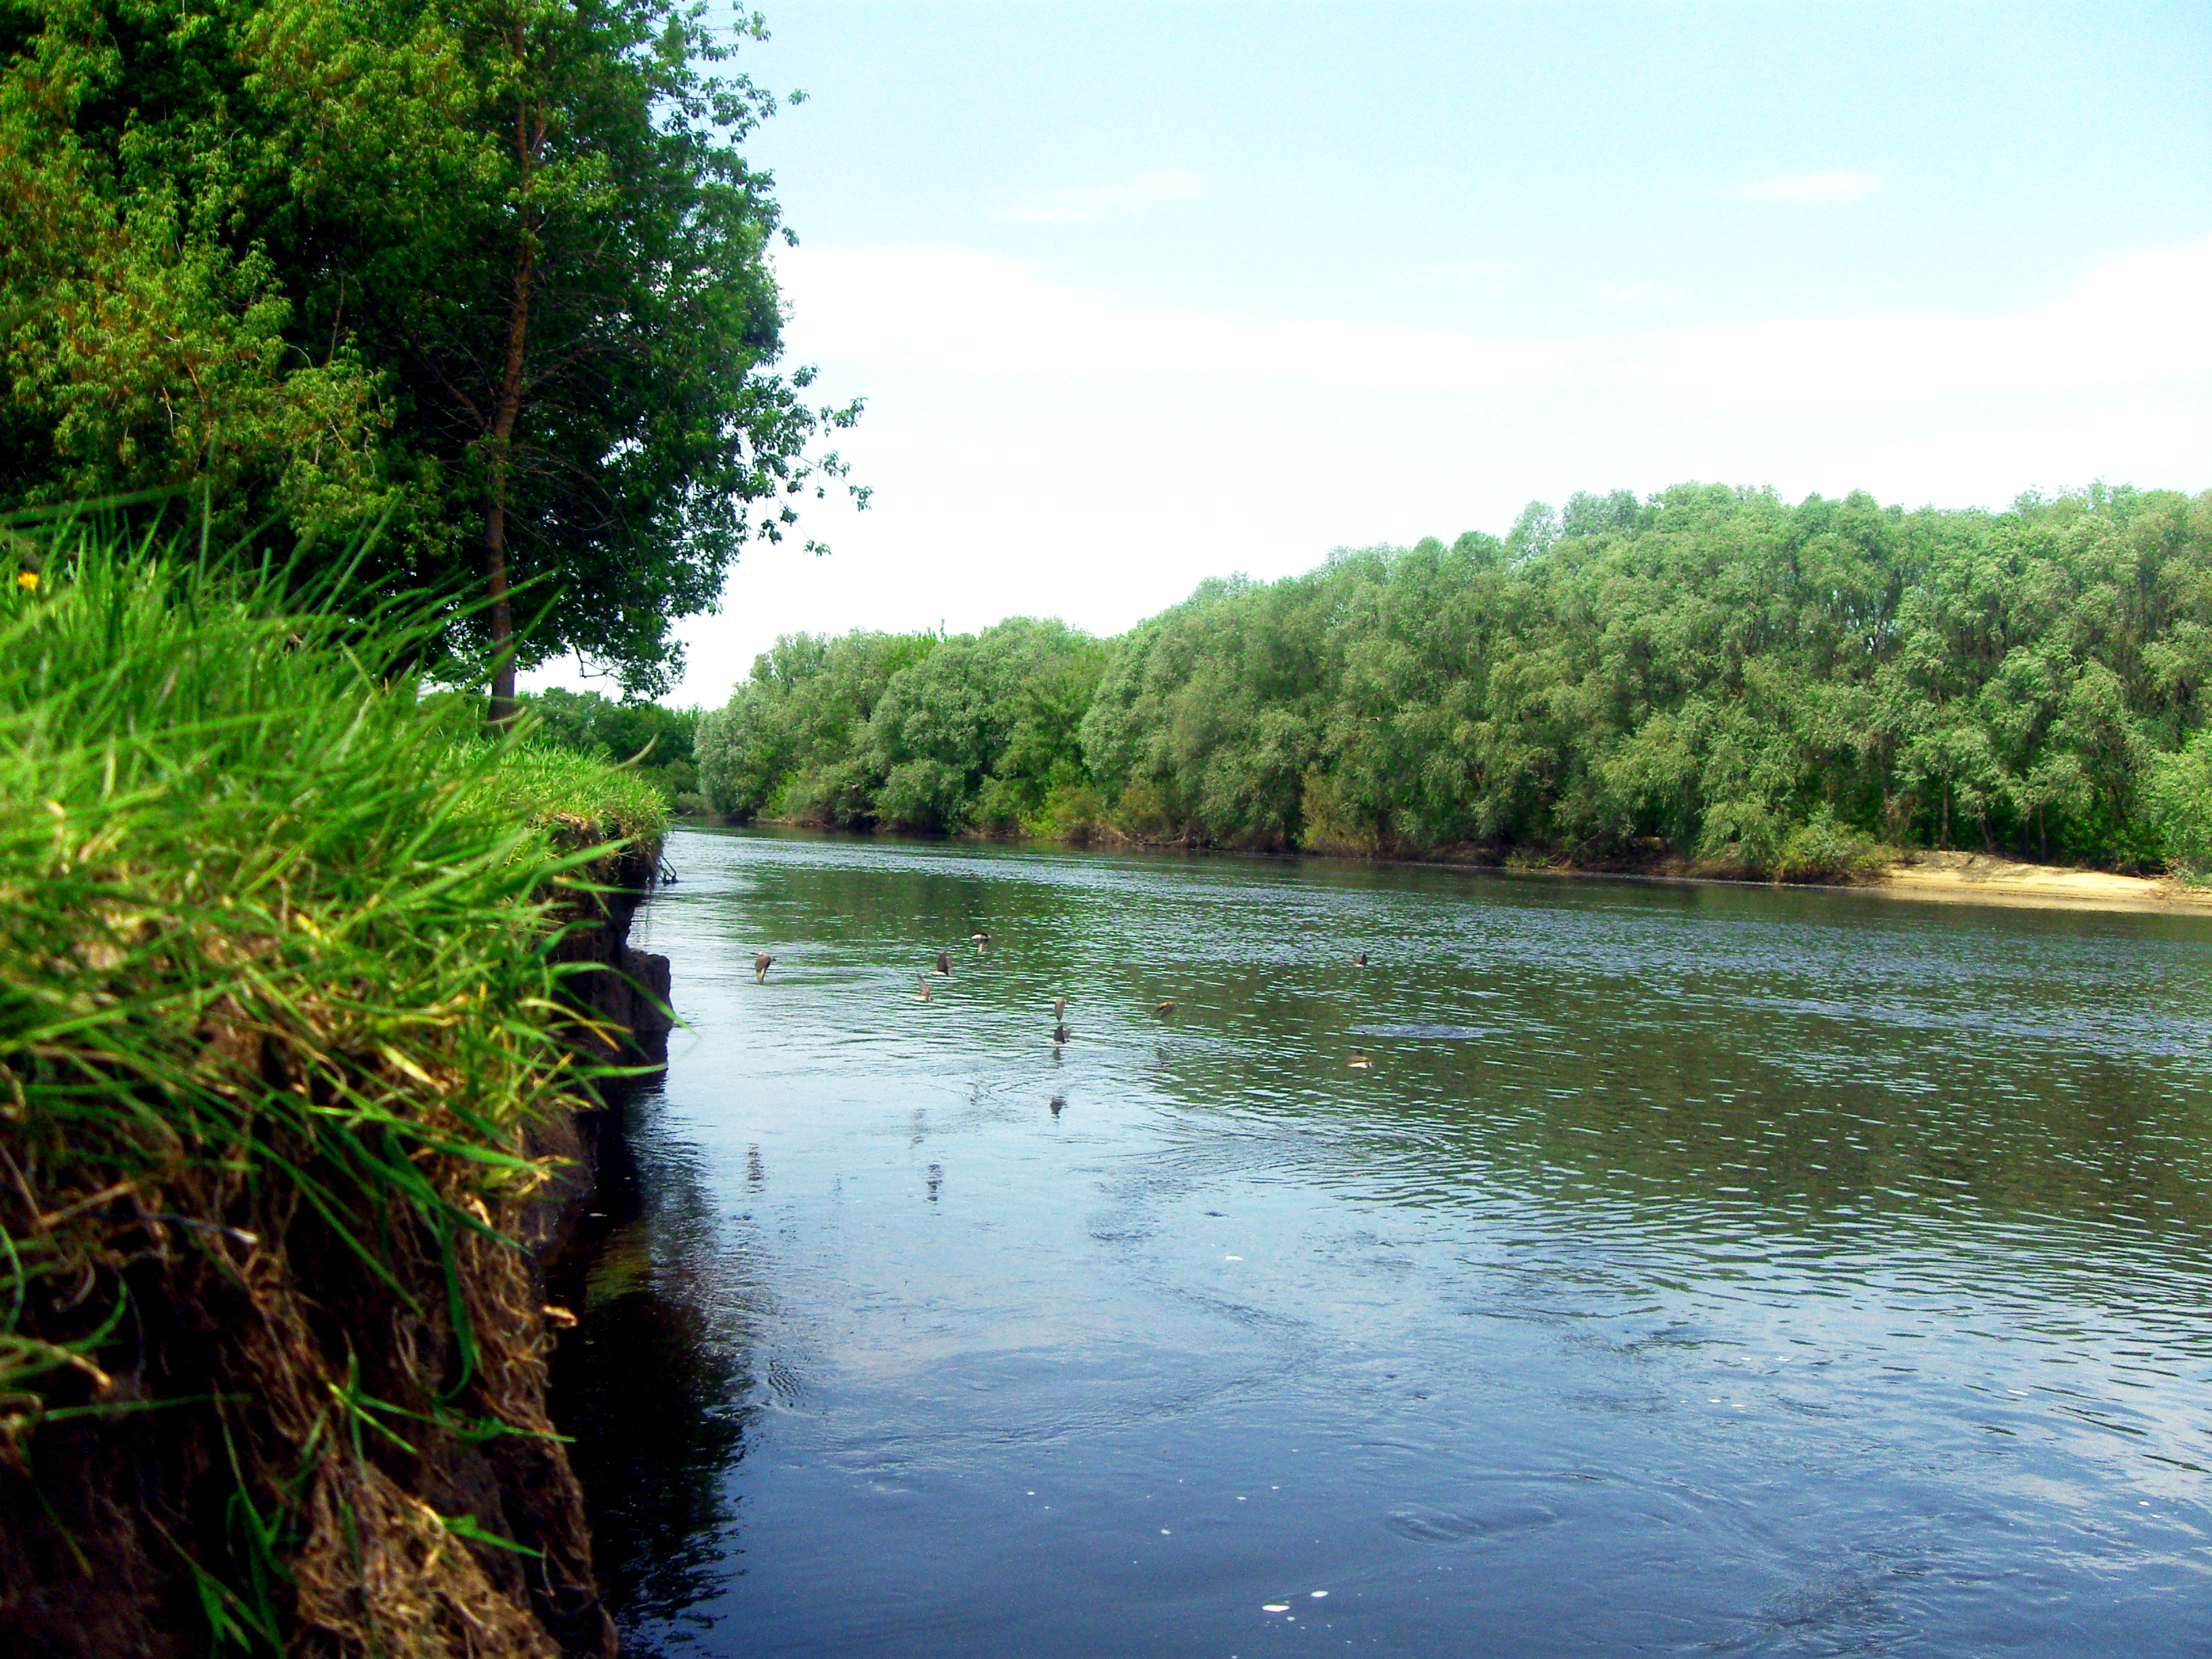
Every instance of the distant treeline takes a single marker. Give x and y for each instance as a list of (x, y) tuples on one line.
[(1710, 675)]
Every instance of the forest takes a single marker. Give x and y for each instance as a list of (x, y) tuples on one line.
[(1709, 675)]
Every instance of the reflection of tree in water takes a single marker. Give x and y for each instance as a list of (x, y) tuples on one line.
[(652, 1381)]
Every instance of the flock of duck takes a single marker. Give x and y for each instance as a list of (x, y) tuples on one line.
[(981, 940)]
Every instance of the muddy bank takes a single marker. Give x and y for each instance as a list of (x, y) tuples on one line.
[(623, 993), (252, 1340), (1938, 877)]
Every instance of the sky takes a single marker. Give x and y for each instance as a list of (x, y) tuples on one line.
[(1139, 295)]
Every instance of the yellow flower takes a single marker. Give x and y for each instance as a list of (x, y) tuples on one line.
[(28, 580)]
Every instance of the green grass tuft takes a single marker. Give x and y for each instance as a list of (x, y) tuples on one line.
[(578, 799), (277, 1008)]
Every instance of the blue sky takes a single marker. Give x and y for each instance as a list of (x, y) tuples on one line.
[(1139, 295)]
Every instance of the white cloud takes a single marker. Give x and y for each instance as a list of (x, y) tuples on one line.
[(2137, 440), (2138, 320), (977, 313), (1456, 273), (1045, 450), (1624, 294), (1087, 204), (1807, 187)]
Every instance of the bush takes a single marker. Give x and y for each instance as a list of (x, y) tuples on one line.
[(1826, 849), (1741, 838)]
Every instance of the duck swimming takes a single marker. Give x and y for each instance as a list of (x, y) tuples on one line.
[(761, 964)]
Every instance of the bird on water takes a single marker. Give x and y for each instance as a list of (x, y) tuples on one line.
[(1361, 1063), (761, 964), (945, 962), (1360, 961), (1167, 1005), (1060, 1034), (922, 981), (983, 940), (1059, 1007)]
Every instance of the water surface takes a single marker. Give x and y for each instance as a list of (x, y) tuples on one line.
[(1693, 1270)]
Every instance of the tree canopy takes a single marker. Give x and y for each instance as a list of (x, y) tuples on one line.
[(1710, 674), (492, 276)]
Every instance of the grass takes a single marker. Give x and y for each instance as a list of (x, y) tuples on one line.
[(576, 798), (275, 1010)]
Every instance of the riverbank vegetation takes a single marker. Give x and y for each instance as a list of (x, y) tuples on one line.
[(276, 1013), (1710, 678), (648, 739), (455, 331)]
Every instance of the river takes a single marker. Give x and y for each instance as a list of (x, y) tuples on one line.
[(1693, 1269)]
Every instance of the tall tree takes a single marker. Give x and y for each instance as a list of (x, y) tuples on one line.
[(517, 234)]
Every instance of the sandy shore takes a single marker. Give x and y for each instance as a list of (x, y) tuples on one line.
[(1983, 878)]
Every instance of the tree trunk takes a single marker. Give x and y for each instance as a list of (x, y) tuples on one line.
[(501, 709), (502, 439), (1944, 840), (529, 133)]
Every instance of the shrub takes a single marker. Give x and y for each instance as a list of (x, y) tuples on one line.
[(1741, 838), (1826, 849)]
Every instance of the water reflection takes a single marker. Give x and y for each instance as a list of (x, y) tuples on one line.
[(652, 1380), (1814, 1273)]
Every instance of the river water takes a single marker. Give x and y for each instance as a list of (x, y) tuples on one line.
[(1693, 1270)]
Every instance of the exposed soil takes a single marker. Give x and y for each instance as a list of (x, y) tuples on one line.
[(1992, 878), (100, 1521)]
